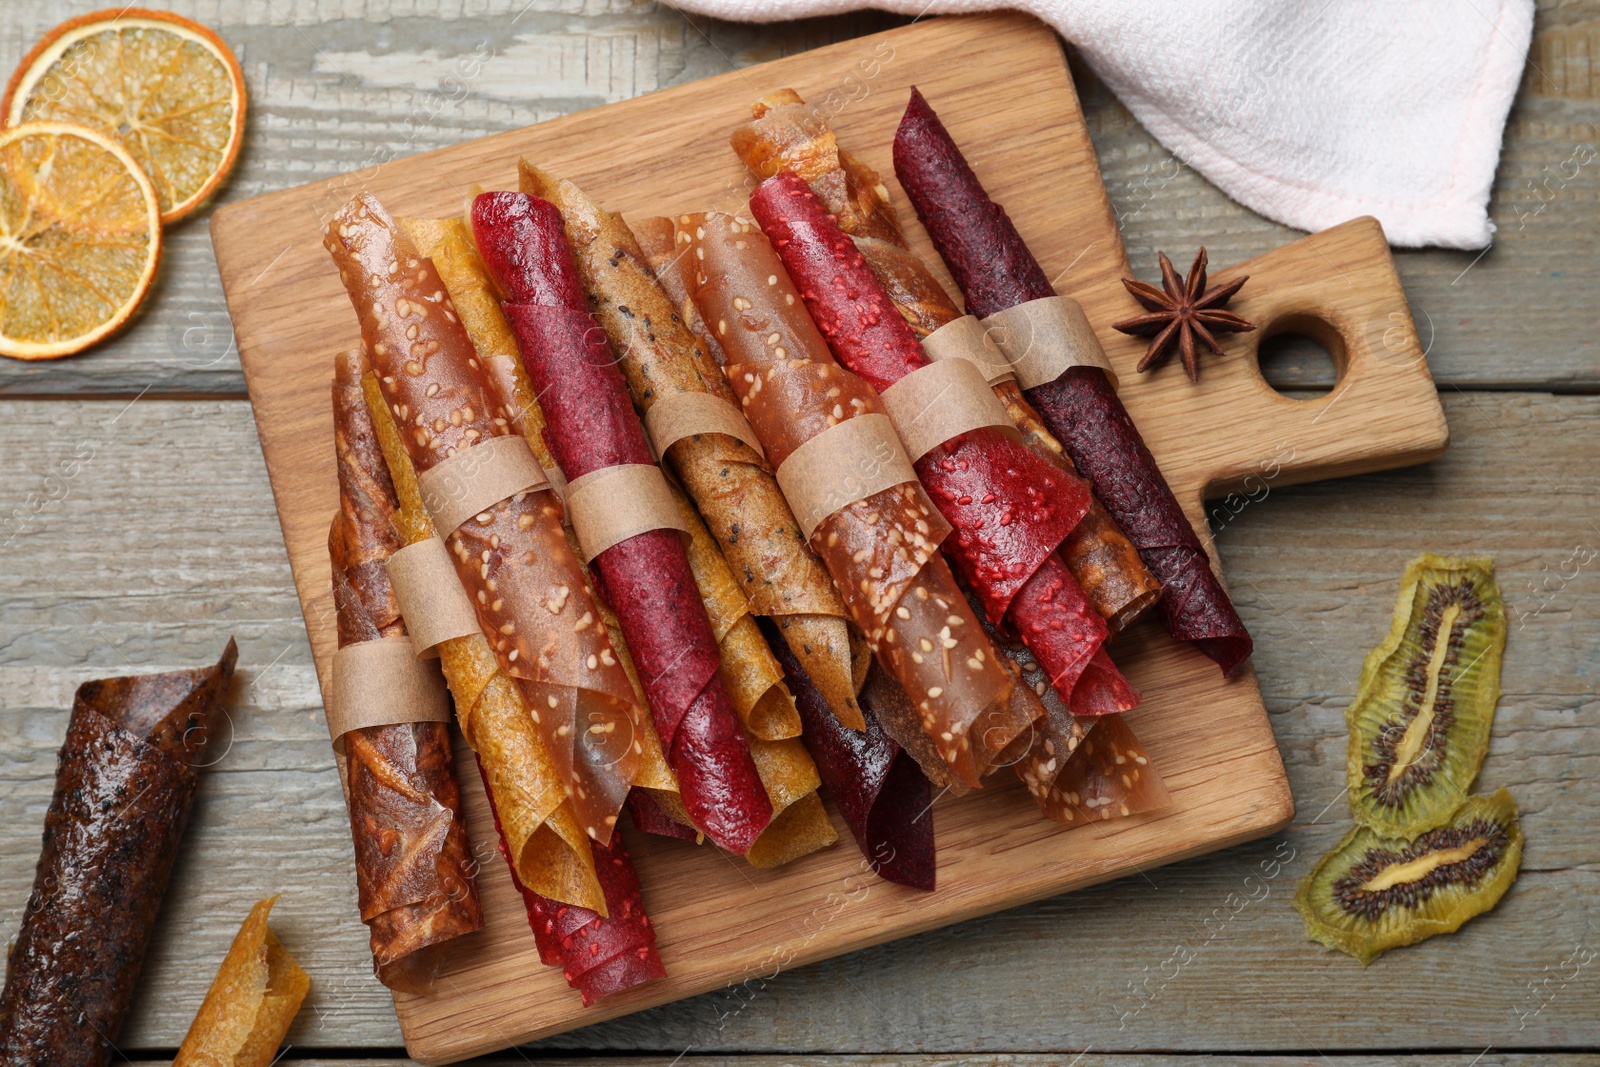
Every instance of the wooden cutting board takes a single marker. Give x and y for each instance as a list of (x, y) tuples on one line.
[(1001, 84)]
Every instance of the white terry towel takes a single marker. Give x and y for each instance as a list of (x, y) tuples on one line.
[(1310, 112)]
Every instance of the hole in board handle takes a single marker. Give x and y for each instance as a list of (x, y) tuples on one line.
[(1301, 357)]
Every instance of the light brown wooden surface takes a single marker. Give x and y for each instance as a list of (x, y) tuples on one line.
[(994, 852), (168, 540)]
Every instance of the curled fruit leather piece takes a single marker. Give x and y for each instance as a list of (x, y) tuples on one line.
[(251, 1002), (995, 271), (510, 555), (448, 243), (599, 955), (550, 848), (1010, 508), (645, 577), (882, 549), (786, 135), (125, 780), (730, 482), (881, 792), (755, 683), (413, 862)]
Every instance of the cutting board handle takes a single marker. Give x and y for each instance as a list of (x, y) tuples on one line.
[(1240, 436)]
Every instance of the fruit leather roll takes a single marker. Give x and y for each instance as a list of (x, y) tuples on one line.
[(599, 955), (593, 434), (1010, 508), (413, 863), (125, 780), (251, 1002), (882, 794), (502, 524), (880, 544), (755, 684), (786, 135), (996, 272), (672, 379), (448, 243)]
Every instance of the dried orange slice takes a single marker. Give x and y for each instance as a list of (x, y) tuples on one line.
[(167, 88), (80, 238)]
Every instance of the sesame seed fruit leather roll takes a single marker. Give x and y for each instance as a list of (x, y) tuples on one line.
[(882, 794), (448, 243), (591, 427), (413, 862), (1010, 508), (881, 550), (731, 483), (996, 272), (126, 778), (599, 954), (787, 135)]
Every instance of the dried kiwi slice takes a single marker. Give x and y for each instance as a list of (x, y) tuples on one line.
[(1419, 725), (1373, 893)]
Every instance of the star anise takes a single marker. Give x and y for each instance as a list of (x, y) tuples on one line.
[(1186, 311)]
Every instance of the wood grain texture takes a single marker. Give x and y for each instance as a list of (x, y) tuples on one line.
[(994, 853), (106, 580), (1067, 1059)]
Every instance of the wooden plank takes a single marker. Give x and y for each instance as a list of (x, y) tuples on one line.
[(1340, 283), (365, 84), (104, 581), (1001, 1059)]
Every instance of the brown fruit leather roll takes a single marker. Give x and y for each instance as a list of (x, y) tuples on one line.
[(413, 863), (513, 558), (996, 271), (125, 781), (787, 135), (730, 482), (882, 551)]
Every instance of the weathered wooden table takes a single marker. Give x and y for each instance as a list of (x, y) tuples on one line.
[(162, 540)]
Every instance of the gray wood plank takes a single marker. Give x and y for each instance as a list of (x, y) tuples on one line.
[(162, 540), (1003, 1059), (339, 87)]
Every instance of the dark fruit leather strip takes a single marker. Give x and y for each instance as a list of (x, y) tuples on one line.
[(1009, 506), (125, 781), (881, 792), (598, 956), (646, 578), (995, 270)]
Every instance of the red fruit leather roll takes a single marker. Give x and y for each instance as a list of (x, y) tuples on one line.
[(511, 557), (125, 781), (995, 271), (1011, 508), (882, 551), (881, 792), (413, 862), (599, 956), (646, 578)]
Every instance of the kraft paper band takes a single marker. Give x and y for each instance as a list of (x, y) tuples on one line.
[(967, 338), (675, 416), (841, 465), (478, 478), (430, 596), (612, 504), (935, 403), (382, 683), (1044, 338)]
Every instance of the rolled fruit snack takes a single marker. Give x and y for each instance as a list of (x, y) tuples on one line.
[(654, 799), (125, 780), (1010, 508), (593, 433), (786, 134), (413, 862), (731, 483), (881, 547), (881, 792), (996, 272), (251, 1003), (590, 883), (511, 553)]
